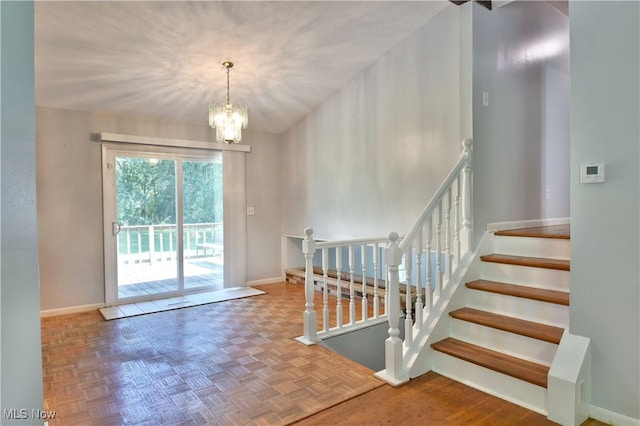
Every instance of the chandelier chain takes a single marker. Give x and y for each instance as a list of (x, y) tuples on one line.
[(227, 84)]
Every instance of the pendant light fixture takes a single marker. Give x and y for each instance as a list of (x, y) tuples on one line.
[(228, 119)]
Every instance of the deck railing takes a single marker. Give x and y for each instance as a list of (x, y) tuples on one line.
[(426, 258), (158, 243)]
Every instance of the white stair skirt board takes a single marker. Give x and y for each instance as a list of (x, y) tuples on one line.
[(519, 392), (178, 302), (551, 248)]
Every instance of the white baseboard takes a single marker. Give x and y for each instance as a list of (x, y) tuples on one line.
[(501, 226), (611, 417), (71, 310), (265, 281)]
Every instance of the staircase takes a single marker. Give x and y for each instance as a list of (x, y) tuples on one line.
[(504, 339)]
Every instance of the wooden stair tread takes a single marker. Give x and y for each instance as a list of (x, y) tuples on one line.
[(333, 274), (540, 294), (555, 231), (528, 371), (536, 262), (547, 333)]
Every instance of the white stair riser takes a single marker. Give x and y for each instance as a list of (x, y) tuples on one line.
[(500, 385), (550, 248), (551, 279), (533, 350), (518, 307)]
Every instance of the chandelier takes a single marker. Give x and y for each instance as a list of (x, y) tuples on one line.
[(228, 119)]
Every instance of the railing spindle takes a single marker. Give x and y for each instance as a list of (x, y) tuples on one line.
[(428, 290), (448, 236), (339, 285), (171, 244), (365, 298), (376, 300), (418, 314), (325, 289), (456, 224), (128, 246), (408, 319), (466, 196), (161, 233), (352, 295), (439, 251)]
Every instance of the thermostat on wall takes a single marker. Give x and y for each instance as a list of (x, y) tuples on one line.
[(592, 173)]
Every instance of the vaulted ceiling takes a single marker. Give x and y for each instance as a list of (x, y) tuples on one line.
[(163, 59)]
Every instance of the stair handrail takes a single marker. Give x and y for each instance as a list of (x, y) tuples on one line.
[(457, 185), (463, 163)]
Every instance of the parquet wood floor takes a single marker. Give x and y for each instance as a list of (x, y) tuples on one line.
[(229, 363), (235, 363)]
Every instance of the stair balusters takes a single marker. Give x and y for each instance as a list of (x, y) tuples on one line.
[(450, 203), (419, 305), (376, 299), (339, 285), (428, 290), (325, 289), (365, 299), (408, 319)]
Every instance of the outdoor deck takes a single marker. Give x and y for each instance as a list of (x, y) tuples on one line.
[(144, 279)]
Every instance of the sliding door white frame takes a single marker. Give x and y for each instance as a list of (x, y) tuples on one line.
[(234, 205)]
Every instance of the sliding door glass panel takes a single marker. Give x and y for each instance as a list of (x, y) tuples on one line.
[(147, 249), (202, 225)]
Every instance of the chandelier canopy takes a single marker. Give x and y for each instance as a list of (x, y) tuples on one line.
[(228, 119)]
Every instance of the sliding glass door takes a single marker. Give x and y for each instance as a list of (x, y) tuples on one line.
[(163, 224)]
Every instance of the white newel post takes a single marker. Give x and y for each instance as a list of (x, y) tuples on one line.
[(309, 316), (393, 373), (466, 197)]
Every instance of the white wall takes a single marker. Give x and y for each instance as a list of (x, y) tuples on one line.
[(264, 229), (70, 200), (21, 355), (605, 240), (521, 140), (366, 162)]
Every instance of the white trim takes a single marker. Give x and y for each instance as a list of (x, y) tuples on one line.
[(182, 143), (500, 3), (501, 226), (273, 280), (71, 310), (611, 417)]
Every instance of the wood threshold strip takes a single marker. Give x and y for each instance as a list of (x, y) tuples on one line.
[(536, 262), (539, 294), (531, 329), (528, 371)]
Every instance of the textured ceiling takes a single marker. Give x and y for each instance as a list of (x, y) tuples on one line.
[(163, 59)]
